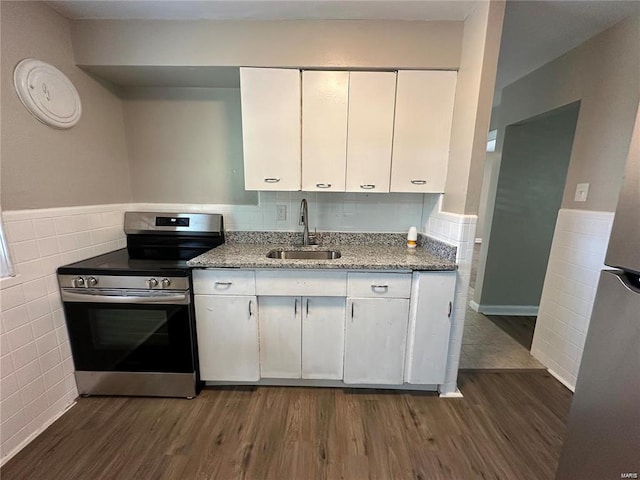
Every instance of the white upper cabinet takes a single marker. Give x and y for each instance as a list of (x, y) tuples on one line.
[(271, 128), (424, 111), (370, 131), (324, 130)]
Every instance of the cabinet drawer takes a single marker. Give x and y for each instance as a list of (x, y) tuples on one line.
[(224, 282), (301, 282), (374, 285)]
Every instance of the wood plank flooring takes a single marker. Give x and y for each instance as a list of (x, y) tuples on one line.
[(519, 328), (507, 426)]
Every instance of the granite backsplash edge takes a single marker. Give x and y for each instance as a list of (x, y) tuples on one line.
[(431, 245)]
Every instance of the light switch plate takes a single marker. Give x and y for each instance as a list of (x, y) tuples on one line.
[(281, 213), (582, 190)]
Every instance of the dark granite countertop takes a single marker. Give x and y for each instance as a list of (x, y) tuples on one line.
[(360, 256)]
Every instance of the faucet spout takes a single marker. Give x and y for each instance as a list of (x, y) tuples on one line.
[(304, 213)]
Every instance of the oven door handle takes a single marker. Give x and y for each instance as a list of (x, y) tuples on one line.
[(182, 298)]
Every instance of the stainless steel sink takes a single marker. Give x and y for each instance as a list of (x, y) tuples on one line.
[(284, 254)]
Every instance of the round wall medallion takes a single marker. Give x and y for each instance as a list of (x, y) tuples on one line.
[(47, 93)]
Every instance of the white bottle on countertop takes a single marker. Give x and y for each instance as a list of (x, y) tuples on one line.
[(412, 237)]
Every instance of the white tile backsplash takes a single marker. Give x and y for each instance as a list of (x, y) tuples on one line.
[(577, 255), (36, 365)]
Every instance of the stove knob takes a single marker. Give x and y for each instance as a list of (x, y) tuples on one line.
[(78, 282), (92, 281), (166, 282), (152, 283)]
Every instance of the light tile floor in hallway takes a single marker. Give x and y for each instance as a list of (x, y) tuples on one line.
[(486, 346)]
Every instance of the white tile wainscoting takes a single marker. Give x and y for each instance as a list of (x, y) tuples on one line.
[(36, 368), (577, 254), (459, 231)]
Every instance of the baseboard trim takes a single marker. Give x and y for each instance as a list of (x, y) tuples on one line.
[(456, 394), (513, 310)]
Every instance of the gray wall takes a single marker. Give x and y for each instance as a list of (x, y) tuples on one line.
[(41, 166), (604, 74), (472, 108), (185, 145), (293, 43), (535, 159)]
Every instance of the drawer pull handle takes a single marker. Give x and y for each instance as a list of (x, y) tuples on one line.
[(271, 180), (323, 185), (419, 182), (367, 187), (224, 284), (380, 287)]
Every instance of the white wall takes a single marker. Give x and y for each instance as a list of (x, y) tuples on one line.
[(576, 258), (459, 231), (35, 359)]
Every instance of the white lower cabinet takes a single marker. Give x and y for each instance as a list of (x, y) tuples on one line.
[(429, 326), (227, 329), (301, 337), (280, 337), (359, 327), (376, 335), (323, 337)]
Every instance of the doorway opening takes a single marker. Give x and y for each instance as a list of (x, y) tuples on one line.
[(525, 193)]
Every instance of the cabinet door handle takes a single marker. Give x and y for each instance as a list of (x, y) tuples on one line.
[(450, 309), (367, 187), (307, 307), (380, 287), (352, 305), (271, 180), (250, 312), (295, 307), (323, 185), (419, 182)]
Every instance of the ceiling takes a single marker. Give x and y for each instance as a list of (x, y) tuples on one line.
[(265, 9), (535, 31)]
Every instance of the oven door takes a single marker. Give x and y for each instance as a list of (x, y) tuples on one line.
[(132, 333)]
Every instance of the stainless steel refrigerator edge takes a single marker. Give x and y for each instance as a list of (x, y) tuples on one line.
[(603, 436)]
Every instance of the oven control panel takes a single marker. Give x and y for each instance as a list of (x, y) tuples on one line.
[(128, 282)]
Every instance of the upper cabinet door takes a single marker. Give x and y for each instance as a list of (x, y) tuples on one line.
[(370, 131), (324, 130), (271, 128), (424, 111)]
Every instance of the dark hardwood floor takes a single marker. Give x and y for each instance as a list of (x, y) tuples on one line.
[(507, 426), (517, 327)]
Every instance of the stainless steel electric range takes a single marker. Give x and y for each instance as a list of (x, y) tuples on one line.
[(130, 314)]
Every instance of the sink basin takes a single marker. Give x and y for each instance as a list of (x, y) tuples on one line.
[(304, 254)]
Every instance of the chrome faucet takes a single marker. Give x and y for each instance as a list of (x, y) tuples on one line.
[(304, 218)]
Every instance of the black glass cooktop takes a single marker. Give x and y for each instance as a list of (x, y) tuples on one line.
[(119, 263)]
